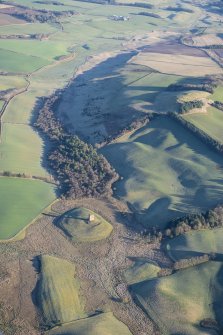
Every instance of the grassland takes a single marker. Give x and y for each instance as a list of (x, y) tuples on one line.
[(17, 155), (183, 65), (141, 270), (196, 243), (102, 324), (179, 302), (58, 294), (11, 82), (76, 225), (21, 201), (17, 63), (210, 122), (188, 178)]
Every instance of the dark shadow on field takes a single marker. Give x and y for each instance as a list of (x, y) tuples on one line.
[(185, 254), (99, 116), (217, 289), (35, 292)]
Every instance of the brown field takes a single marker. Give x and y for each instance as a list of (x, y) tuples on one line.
[(208, 39), (174, 48), (182, 65)]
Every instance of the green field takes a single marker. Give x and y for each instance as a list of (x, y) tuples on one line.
[(75, 224), (9, 82), (196, 243), (21, 150), (58, 291), (141, 270), (102, 324), (46, 50), (167, 172), (21, 201), (211, 122), (179, 302), (18, 63)]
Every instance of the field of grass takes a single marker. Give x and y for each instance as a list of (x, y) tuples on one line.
[(75, 224), (27, 28), (58, 291), (9, 82), (167, 172), (21, 201), (141, 270), (196, 243), (179, 302), (18, 63), (45, 50), (102, 324), (183, 65), (210, 122), (21, 149)]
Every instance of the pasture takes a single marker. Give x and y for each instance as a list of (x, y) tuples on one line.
[(21, 201), (21, 150), (182, 65), (210, 122), (77, 226), (14, 62), (167, 172), (141, 270), (104, 323), (196, 243), (179, 302), (58, 291)]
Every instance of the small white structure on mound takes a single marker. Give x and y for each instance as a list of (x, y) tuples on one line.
[(91, 218)]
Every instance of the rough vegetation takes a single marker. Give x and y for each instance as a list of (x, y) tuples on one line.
[(78, 167)]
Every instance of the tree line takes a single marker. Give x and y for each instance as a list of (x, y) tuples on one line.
[(187, 106)]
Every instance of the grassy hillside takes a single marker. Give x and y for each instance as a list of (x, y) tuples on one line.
[(21, 201), (179, 302), (75, 224), (141, 270), (58, 293), (195, 243), (102, 324), (167, 172)]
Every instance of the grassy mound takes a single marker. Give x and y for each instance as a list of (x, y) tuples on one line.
[(179, 302), (141, 270), (21, 201), (76, 225), (103, 324), (59, 291), (167, 172), (196, 243)]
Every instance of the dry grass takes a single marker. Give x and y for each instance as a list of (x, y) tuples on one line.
[(178, 65)]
